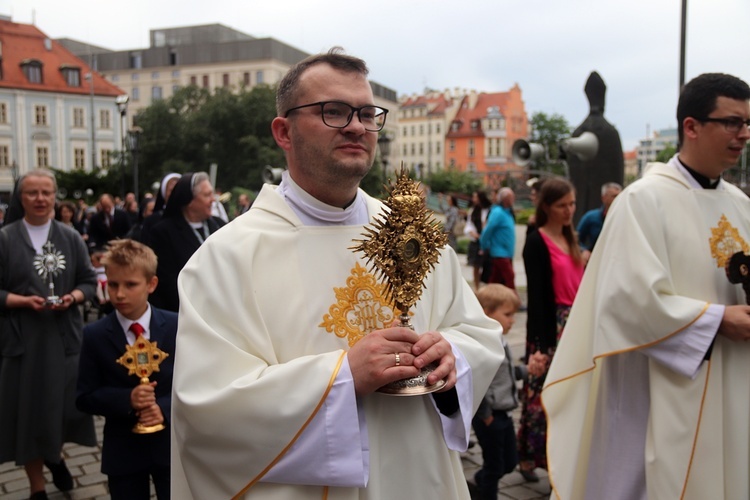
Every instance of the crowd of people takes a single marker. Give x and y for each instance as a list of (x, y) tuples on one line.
[(265, 342)]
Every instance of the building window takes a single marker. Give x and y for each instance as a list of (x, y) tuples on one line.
[(225, 79), (258, 77), (413, 150), (471, 148), (205, 81), (155, 75), (135, 76), (78, 117), (421, 148), (155, 93), (115, 78), (412, 131), (406, 150), (32, 70), (105, 119), (421, 130), (246, 78), (79, 158), (173, 59), (437, 147), (176, 73), (3, 112), (451, 145), (106, 159), (40, 115), (136, 94), (72, 76), (42, 156), (136, 61), (175, 88), (193, 80), (4, 156), (406, 131), (437, 128)]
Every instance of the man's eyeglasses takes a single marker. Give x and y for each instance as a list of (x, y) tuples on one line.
[(337, 114), (732, 124)]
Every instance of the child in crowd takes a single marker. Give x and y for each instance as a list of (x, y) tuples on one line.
[(493, 424), (105, 387), (101, 279)]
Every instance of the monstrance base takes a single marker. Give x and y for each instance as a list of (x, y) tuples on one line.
[(414, 386), (147, 429)]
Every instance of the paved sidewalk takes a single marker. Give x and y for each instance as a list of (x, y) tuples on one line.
[(91, 484)]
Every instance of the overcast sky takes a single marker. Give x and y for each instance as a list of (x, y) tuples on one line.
[(548, 47)]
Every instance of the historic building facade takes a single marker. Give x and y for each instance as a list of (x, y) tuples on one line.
[(54, 110)]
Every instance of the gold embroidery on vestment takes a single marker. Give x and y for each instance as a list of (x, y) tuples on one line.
[(725, 241), (361, 307)]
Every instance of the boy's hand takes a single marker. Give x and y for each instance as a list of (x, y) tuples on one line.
[(151, 416), (143, 396)]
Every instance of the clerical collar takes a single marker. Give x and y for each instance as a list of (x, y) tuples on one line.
[(313, 212), (701, 179)]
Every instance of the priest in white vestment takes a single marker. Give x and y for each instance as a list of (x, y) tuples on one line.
[(648, 394), (284, 335)]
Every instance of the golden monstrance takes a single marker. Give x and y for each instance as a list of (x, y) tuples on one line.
[(401, 248), (142, 359)]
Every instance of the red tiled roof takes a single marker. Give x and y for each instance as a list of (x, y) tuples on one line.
[(437, 105), (466, 114), (23, 42)]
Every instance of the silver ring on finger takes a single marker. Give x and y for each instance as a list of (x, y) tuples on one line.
[(398, 359)]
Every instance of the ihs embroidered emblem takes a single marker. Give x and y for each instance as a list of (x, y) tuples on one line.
[(360, 307), (725, 241)]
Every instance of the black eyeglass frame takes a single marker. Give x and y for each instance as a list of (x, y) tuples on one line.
[(730, 123), (352, 110)]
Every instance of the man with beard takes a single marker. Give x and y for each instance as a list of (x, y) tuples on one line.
[(285, 336)]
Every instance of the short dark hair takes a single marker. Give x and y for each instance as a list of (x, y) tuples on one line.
[(288, 88), (698, 96)]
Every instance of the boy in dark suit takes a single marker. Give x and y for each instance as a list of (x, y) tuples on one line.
[(105, 387)]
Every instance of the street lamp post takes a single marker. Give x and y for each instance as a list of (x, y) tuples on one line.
[(384, 144), (122, 107), (134, 136), (90, 77)]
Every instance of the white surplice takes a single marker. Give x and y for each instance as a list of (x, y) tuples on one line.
[(268, 309), (633, 409)]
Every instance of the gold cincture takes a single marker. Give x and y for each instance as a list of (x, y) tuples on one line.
[(142, 359), (401, 248)]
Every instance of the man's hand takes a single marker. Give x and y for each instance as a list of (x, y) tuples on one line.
[(430, 347), (143, 396), (373, 359), (537, 364), (735, 325)]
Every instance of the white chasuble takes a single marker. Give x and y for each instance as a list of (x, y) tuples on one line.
[(269, 309), (621, 422)]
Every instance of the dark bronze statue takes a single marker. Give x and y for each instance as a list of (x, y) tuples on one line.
[(608, 164)]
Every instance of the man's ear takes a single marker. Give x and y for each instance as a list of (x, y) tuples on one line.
[(280, 130), (690, 127)]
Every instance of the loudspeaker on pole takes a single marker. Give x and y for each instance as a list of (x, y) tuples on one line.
[(585, 146), (525, 152)]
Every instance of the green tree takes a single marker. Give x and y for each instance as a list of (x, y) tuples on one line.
[(453, 181), (548, 130), (666, 154), (195, 128)]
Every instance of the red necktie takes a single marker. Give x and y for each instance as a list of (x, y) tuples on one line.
[(137, 329)]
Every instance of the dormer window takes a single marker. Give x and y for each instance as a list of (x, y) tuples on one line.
[(72, 75), (32, 69)]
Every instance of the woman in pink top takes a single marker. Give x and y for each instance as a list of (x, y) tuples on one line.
[(554, 268)]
